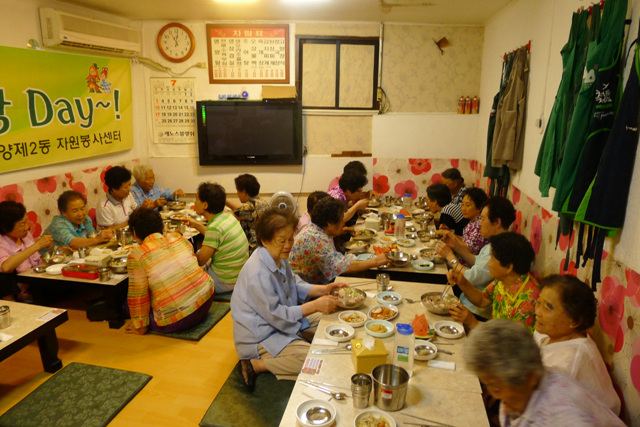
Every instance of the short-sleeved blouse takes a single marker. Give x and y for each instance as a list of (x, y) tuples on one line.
[(516, 303)]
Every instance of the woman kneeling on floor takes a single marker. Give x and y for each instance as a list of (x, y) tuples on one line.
[(168, 291), (271, 306)]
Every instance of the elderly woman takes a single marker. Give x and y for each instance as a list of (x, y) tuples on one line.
[(565, 310), (114, 210), (496, 217), (72, 227), (454, 181), (472, 240), (507, 361), (168, 291), (145, 190), (18, 249), (314, 256), (349, 192), (272, 308), (439, 201), (513, 292)]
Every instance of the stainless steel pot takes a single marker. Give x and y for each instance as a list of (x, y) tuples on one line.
[(124, 236)]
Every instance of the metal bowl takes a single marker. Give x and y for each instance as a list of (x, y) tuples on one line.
[(424, 236), (60, 256), (389, 215), (431, 255), (356, 246), (399, 258), (350, 297), (431, 301), (118, 265), (374, 202), (176, 205), (364, 234)]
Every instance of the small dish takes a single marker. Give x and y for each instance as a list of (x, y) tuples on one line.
[(364, 234), (422, 352), (55, 269), (407, 243), (339, 332), (374, 416), (356, 246), (423, 265), (387, 239), (383, 312), (40, 268), (305, 408), (417, 211), (353, 318), (388, 325), (388, 297), (364, 257), (448, 323)]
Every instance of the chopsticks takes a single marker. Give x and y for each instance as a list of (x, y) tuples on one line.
[(427, 420), (304, 380), (364, 283)]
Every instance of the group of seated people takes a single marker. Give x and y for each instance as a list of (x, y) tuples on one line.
[(281, 270)]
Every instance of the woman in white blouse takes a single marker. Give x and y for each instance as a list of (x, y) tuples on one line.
[(565, 310)]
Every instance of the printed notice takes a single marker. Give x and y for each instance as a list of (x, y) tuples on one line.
[(50, 315), (312, 366)]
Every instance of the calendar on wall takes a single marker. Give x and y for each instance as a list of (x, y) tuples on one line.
[(174, 110), (248, 53)]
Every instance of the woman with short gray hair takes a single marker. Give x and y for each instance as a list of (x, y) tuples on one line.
[(145, 190), (507, 361)]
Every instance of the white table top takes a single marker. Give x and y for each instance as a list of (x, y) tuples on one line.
[(116, 279), (24, 319), (450, 397)]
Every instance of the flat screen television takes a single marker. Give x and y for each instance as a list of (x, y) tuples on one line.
[(267, 132)]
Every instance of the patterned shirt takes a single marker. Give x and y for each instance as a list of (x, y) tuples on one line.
[(155, 193), (516, 303), (111, 212), (304, 220), (451, 216), (225, 235), (248, 213), (314, 257), (9, 248), (164, 276), (472, 237), (560, 401), (64, 231), (459, 195), (337, 193)]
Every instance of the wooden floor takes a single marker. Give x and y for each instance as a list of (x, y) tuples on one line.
[(187, 375)]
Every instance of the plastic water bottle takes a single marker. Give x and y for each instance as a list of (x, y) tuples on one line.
[(406, 202), (403, 347), (398, 232)]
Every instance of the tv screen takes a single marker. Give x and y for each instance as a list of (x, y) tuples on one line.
[(249, 132)]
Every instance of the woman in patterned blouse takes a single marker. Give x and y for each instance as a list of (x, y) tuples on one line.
[(472, 202), (513, 292)]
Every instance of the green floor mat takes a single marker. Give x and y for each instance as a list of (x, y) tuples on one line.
[(235, 406), (78, 395), (223, 296), (216, 313)]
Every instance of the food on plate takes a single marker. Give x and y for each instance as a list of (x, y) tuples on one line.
[(420, 326), (382, 313), (378, 329), (363, 233), (442, 303), (353, 318), (384, 249), (349, 297), (371, 420), (405, 242), (358, 244)]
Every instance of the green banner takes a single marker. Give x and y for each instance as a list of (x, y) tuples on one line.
[(58, 107)]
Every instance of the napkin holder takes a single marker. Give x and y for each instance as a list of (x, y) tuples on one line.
[(98, 260), (364, 360)]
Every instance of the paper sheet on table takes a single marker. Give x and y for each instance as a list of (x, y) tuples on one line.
[(324, 341), (441, 364), (7, 337)]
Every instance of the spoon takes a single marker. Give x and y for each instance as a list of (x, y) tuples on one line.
[(332, 350), (336, 396), (410, 301), (318, 415)]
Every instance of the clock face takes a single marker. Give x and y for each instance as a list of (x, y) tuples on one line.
[(176, 42)]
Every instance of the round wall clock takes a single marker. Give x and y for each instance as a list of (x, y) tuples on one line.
[(176, 42)]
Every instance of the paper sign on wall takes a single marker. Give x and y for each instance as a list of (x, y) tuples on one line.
[(58, 107), (174, 110)]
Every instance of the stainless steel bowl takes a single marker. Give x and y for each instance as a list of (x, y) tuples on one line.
[(118, 265), (356, 246), (424, 236), (176, 205), (399, 258), (431, 301), (389, 215), (60, 256), (364, 234)]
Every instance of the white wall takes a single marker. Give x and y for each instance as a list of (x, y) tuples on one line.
[(19, 22), (546, 23)]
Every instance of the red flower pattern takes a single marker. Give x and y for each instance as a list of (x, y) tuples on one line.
[(405, 187), (47, 185), (564, 242), (473, 164), (571, 270), (515, 196), (419, 166), (611, 309), (531, 201), (435, 178), (78, 186), (11, 192), (517, 224), (546, 215), (375, 161), (536, 233), (635, 364), (455, 163), (34, 224), (92, 215), (380, 183), (89, 170), (633, 288)]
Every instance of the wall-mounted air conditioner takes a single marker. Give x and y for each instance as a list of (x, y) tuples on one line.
[(65, 30)]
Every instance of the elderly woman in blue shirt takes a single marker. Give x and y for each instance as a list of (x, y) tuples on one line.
[(73, 226), (145, 190), (273, 310)]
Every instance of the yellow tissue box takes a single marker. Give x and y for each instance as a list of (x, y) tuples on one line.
[(364, 360)]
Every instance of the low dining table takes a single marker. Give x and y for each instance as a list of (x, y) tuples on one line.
[(438, 395)]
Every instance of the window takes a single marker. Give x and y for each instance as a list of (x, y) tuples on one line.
[(338, 72)]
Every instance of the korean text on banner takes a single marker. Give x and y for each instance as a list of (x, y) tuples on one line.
[(58, 107)]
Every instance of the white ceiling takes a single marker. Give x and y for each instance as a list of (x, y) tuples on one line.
[(471, 12)]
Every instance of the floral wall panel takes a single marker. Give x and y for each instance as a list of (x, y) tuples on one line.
[(418, 78)]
